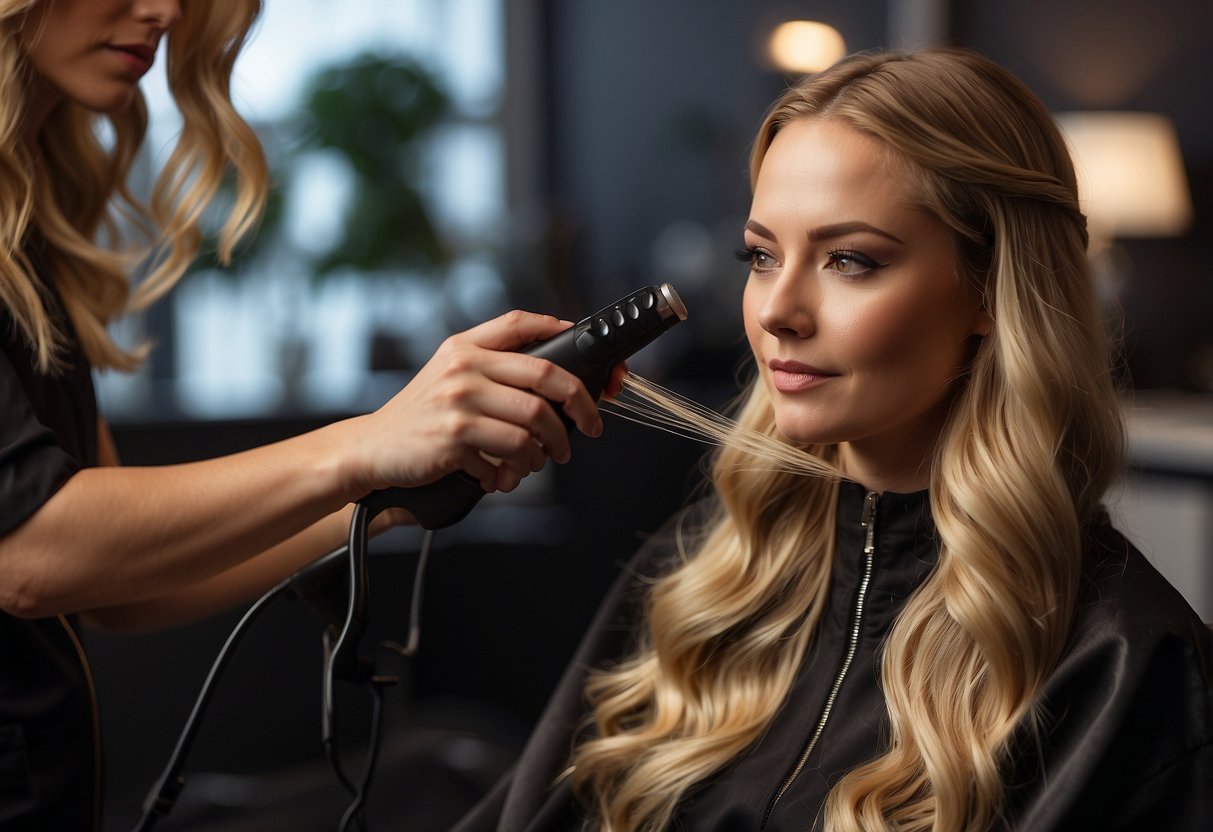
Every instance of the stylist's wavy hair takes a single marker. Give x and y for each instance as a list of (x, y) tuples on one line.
[(1032, 442), (93, 230)]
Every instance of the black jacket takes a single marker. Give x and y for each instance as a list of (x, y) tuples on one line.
[(1129, 742), (50, 752)]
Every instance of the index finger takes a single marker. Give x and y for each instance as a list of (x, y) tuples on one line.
[(515, 330)]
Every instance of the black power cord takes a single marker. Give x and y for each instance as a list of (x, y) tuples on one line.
[(164, 793), (356, 813), (342, 661), (314, 584)]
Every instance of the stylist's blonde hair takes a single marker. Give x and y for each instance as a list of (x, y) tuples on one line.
[(73, 188), (1032, 443)]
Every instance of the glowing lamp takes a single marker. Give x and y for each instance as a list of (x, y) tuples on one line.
[(804, 46), (1131, 180)]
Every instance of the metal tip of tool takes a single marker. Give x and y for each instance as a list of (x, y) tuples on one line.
[(673, 301)]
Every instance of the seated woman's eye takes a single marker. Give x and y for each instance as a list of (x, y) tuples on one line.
[(847, 262), (758, 258)]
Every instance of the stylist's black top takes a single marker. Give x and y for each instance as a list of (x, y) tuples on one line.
[(49, 738), (1126, 744)]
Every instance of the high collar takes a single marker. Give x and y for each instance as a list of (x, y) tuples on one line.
[(906, 549)]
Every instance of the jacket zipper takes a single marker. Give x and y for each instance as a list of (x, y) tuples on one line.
[(95, 716), (868, 522)]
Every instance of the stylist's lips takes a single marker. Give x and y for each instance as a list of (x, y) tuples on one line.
[(137, 56), (792, 376)]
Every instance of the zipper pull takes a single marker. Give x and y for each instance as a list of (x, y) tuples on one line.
[(868, 521)]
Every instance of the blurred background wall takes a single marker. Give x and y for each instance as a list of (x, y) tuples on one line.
[(439, 161)]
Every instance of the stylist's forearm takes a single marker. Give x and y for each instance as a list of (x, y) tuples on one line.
[(240, 584), (123, 534)]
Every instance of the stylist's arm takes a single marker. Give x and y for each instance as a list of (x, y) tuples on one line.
[(149, 546)]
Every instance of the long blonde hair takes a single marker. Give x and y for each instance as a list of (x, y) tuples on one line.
[(71, 191), (1032, 442)]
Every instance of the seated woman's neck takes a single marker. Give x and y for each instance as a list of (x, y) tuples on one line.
[(894, 461)]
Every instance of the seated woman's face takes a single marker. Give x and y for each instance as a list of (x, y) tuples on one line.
[(854, 309), (94, 52)]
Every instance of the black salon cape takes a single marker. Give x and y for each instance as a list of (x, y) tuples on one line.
[(49, 742), (1128, 744)]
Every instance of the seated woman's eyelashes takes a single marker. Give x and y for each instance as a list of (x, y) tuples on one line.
[(847, 262), (852, 263), (758, 258)]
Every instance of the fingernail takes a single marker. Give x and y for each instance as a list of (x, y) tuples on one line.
[(597, 429)]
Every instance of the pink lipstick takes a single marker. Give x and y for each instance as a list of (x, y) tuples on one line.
[(137, 56), (792, 376)]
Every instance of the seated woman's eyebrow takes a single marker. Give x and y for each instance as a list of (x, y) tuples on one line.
[(829, 232), (759, 229)]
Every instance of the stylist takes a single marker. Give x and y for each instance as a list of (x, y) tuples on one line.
[(83, 540)]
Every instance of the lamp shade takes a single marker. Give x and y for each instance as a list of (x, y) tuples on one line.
[(1131, 180)]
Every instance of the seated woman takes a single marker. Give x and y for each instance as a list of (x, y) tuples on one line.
[(902, 605)]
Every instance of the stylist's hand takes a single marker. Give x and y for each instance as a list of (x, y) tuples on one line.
[(476, 396)]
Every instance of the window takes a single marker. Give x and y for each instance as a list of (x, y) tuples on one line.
[(275, 335)]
